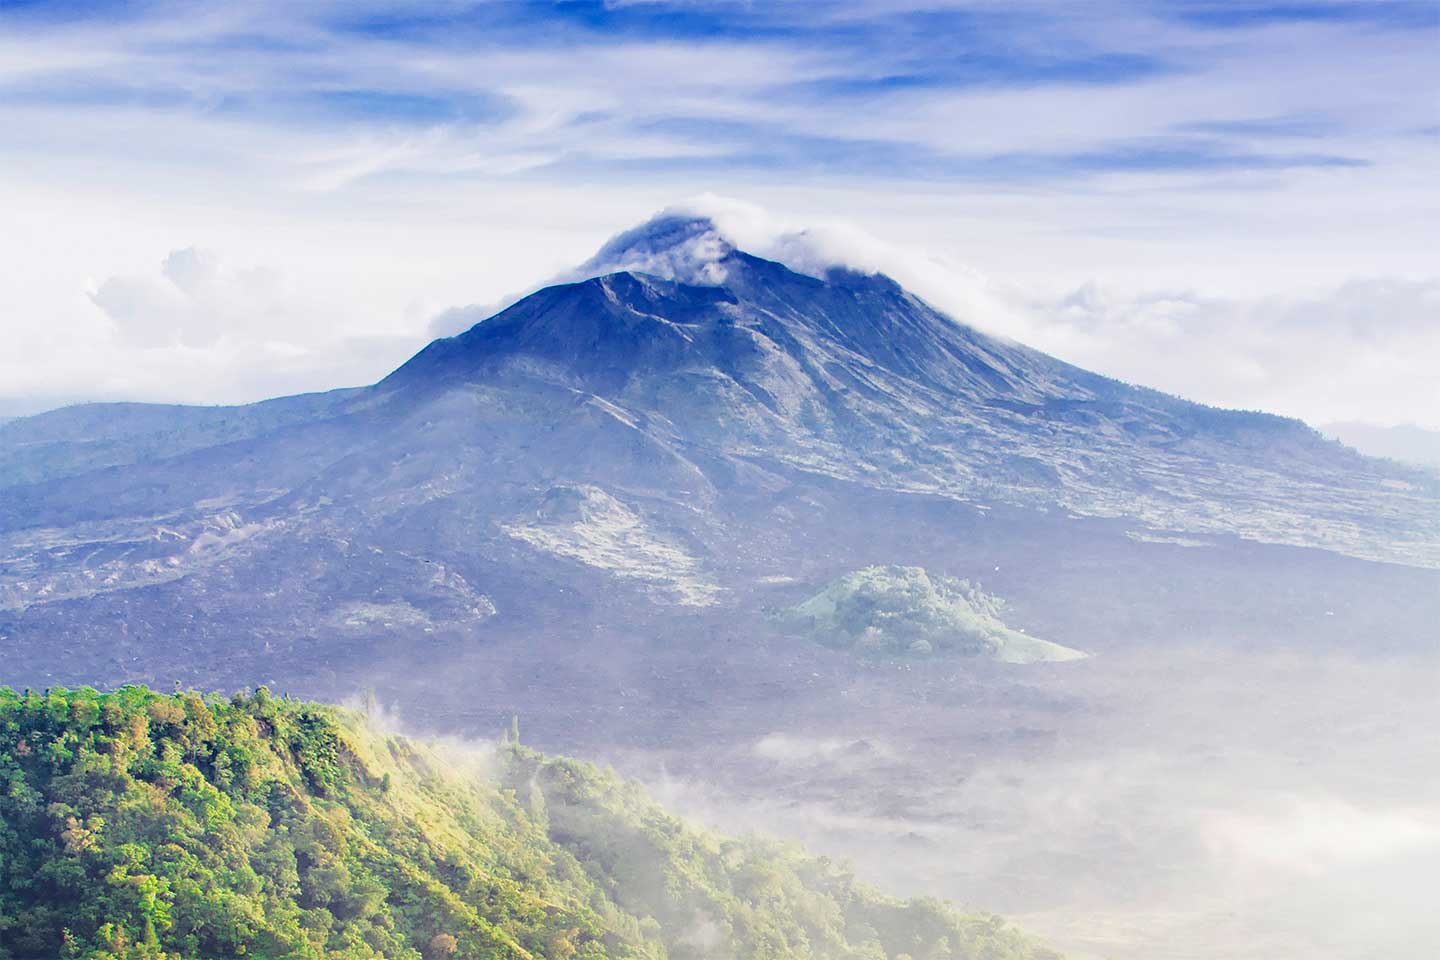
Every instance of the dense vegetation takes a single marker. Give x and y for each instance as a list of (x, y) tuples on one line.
[(906, 611), (141, 825)]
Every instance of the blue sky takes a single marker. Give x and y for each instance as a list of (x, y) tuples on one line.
[(815, 87), (381, 162)]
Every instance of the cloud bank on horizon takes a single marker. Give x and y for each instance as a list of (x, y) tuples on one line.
[(360, 169)]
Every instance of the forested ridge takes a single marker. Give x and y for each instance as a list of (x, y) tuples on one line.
[(135, 824)]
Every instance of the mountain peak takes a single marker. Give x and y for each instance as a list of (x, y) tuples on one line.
[(686, 248)]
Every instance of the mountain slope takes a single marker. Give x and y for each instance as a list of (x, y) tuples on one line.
[(852, 377), (148, 826), (656, 442)]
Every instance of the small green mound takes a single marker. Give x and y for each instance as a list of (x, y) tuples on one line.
[(904, 611), (137, 826)]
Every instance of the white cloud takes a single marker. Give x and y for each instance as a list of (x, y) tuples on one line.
[(1363, 350), (195, 328), (193, 302)]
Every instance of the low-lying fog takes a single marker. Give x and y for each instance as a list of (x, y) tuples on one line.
[(1190, 804)]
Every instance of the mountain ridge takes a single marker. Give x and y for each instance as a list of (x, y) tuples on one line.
[(759, 407)]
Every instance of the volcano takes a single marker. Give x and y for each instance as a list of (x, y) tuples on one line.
[(686, 433)]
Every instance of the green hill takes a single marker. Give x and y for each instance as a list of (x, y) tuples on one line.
[(140, 825), (905, 611)]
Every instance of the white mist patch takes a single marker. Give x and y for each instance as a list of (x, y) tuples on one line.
[(706, 937), (587, 524), (1316, 835), (1247, 806), (796, 748), (473, 758)]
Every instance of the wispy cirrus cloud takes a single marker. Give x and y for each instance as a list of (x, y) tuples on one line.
[(908, 84)]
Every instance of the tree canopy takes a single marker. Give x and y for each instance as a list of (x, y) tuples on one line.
[(140, 825)]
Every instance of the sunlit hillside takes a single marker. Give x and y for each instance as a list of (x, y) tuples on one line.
[(139, 825)]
